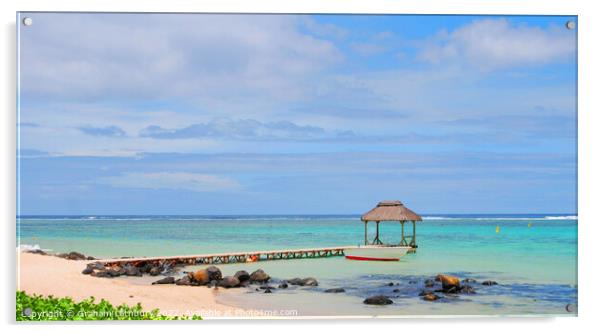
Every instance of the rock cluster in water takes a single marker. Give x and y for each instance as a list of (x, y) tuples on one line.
[(436, 288)]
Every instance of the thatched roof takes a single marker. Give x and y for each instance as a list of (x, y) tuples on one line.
[(391, 210)]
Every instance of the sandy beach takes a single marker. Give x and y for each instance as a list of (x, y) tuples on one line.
[(49, 275)]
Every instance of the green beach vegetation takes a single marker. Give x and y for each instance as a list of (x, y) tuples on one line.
[(41, 308)]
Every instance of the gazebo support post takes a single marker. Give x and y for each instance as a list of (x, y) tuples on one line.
[(376, 240), (403, 240), (413, 234), (365, 232)]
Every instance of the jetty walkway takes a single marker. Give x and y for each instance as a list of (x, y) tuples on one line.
[(231, 258)]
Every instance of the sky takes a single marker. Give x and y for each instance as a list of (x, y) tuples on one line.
[(295, 114)]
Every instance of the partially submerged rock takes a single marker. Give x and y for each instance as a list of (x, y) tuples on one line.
[(430, 297), (449, 283), (259, 276), (489, 283), (306, 282), (215, 274), (378, 300), (229, 282), (335, 290), (264, 287), (466, 289), (242, 276)]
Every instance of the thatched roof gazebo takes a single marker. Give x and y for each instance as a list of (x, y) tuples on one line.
[(391, 210)]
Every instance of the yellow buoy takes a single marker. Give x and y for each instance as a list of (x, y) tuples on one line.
[(497, 229), (529, 225)]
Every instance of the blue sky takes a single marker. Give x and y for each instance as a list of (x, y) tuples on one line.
[(289, 114)]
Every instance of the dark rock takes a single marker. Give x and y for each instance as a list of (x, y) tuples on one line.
[(88, 270), (245, 283), (469, 280), (90, 258), (102, 274), (335, 290), (378, 300), (466, 289), (242, 276), (396, 290), (268, 291), (116, 271), (132, 271), (390, 284), (229, 282), (145, 268), (295, 281), (259, 276), (215, 274), (154, 271), (266, 287), (310, 282), (429, 283), (306, 282), (75, 256), (283, 285), (36, 251), (430, 297), (166, 280), (489, 283), (186, 280), (96, 265)]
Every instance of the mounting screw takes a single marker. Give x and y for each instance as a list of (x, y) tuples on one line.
[(27, 21), (570, 25)]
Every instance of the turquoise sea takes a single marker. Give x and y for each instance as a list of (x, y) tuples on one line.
[(533, 258)]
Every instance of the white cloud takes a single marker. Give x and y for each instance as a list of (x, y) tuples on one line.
[(173, 181), (494, 44), (199, 57)]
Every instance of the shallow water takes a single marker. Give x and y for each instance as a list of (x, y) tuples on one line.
[(535, 266)]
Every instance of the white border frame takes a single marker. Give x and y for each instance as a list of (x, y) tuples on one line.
[(588, 167)]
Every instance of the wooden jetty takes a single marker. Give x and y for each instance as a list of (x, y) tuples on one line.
[(230, 258)]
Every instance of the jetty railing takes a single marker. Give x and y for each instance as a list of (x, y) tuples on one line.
[(231, 258)]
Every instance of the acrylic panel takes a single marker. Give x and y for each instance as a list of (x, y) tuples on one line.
[(246, 165)]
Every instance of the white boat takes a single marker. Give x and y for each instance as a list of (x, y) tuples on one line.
[(377, 252), (376, 249)]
